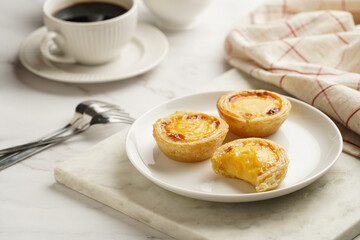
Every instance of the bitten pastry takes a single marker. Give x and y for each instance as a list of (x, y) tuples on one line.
[(260, 162), (253, 113), (189, 136)]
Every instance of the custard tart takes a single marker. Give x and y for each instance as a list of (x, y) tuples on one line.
[(253, 113), (188, 136), (260, 162)]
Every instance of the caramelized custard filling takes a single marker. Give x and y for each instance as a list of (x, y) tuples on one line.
[(253, 104), (247, 160), (189, 128)]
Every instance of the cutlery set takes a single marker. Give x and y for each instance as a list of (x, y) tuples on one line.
[(87, 114)]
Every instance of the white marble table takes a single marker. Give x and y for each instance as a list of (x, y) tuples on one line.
[(32, 205)]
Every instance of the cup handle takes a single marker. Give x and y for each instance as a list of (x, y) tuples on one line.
[(51, 50)]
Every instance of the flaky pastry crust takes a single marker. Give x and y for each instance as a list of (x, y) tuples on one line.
[(261, 162), (253, 113), (189, 136)]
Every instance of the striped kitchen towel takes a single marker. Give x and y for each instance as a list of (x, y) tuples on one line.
[(309, 48)]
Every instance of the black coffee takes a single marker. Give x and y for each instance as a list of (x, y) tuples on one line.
[(90, 12)]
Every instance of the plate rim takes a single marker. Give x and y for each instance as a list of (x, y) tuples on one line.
[(151, 65), (248, 197)]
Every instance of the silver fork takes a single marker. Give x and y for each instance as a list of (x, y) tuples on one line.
[(77, 127), (110, 116), (87, 107), (93, 112)]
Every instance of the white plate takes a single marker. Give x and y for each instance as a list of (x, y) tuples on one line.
[(147, 49), (310, 138)]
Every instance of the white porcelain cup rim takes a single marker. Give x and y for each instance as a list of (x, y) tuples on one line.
[(49, 13)]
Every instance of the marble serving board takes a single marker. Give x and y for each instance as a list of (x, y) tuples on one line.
[(326, 209)]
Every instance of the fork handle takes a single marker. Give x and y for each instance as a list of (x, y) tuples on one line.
[(34, 144), (12, 158), (42, 141), (26, 146)]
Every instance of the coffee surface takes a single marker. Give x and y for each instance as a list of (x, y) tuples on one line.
[(90, 12)]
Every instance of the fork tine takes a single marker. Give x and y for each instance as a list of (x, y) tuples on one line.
[(117, 113), (125, 121), (121, 118)]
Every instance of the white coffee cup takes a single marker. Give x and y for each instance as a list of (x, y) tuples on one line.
[(177, 14), (90, 42)]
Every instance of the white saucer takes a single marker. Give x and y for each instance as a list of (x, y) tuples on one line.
[(147, 49)]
